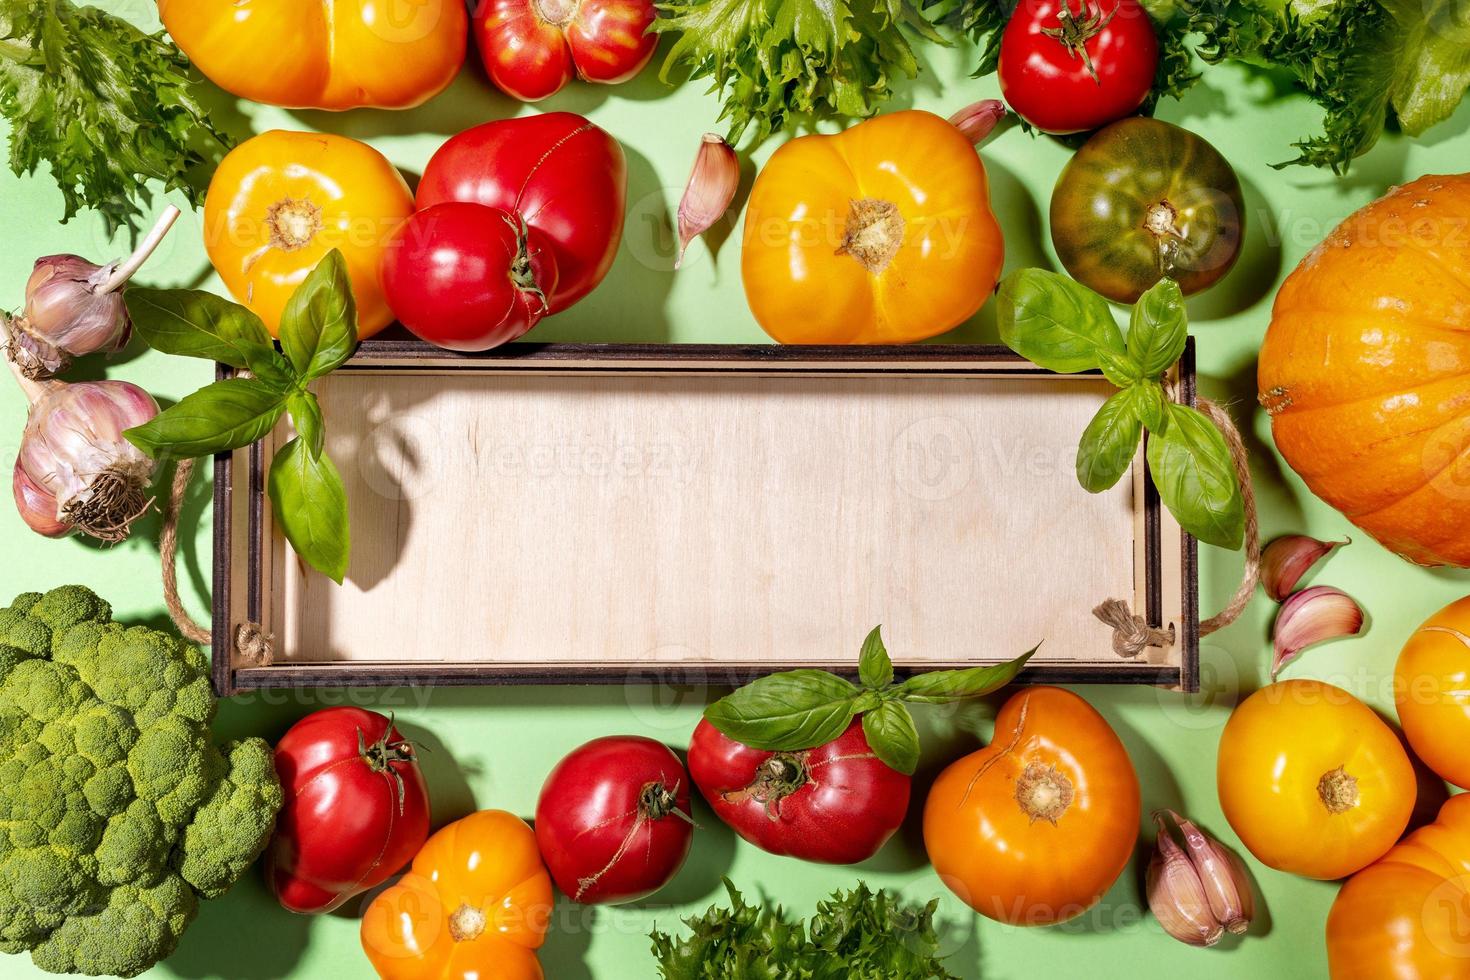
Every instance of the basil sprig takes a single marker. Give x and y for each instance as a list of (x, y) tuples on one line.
[(1066, 327), (803, 709), (318, 335)]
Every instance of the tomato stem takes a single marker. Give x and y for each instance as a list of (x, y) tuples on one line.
[(1074, 33), (522, 274), (384, 756), (1338, 790)]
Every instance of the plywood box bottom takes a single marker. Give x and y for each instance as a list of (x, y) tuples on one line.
[(573, 514)]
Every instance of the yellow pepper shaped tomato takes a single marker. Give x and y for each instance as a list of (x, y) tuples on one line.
[(881, 234), (323, 54), (280, 202), (1432, 688), (474, 906), (1312, 780)]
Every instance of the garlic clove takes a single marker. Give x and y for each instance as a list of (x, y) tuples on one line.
[(37, 507), (1222, 876), (1313, 616), (1288, 558), (978, 119), (1176, 895), (712, 185)]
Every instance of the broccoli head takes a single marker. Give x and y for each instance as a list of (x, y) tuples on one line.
[(117, 810)]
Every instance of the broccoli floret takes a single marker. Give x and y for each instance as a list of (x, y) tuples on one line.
[(117, 810)]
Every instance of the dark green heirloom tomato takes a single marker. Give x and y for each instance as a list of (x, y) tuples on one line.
[(1142, 200)]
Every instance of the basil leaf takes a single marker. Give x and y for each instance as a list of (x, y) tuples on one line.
[(1191, 467), (1110, 442), (1151, 405), (798, 709), (223, 416), (193, 323), (319, 325), (1119, 367), (306, 415), (875, 669), (310, 505), (1055, 322), (945, 686), (892, 736), (1159, 328)]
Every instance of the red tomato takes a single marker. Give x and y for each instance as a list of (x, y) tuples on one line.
[(532, 48), (613, 821), (565, 177), (836, 804), (468, 277), (356, 808), (1068, 66)]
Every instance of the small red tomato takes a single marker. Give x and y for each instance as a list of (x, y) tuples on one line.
[(468, 277), (1069, 66), (356, 808), (836, 804), (532, 48), (613, 821)]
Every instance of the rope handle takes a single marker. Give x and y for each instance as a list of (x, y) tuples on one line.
[(255, 646), (1131, 633)]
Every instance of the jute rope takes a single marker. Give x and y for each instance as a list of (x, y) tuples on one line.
[(1131, 633), (255, 646)]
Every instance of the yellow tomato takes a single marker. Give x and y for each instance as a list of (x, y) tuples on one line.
[(1432, 688), (881, 234), (1312, 780), (323, 54), (281, 201)]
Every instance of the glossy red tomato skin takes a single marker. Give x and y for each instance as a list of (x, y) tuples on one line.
[(447, 274), (1049, 86), (848, 808), (532, 48), (566, 177), (344, 828), (590, 825)]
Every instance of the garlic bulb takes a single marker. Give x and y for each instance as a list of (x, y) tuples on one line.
[(75, 307), (1200, 891), (712, 186), (75, 470)]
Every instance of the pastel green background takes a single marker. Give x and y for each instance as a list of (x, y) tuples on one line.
[(492, 748)]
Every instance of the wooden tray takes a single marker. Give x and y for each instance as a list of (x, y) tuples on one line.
[(558, 514)]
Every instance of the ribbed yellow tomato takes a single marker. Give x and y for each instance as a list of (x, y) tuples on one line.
[(281, 201), (1432, 688), (323, 54), (878, 235), (1312, 780)]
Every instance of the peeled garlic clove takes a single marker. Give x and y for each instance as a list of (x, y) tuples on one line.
[(712, 186), (1176, 896), (1222, 876), (1313, 616), (37, 507), (73, 447), (1288, 558), (977, 120)]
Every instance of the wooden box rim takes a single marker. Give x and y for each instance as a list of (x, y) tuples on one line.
[(398, 352)]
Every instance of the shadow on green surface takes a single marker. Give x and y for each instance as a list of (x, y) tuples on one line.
[(220, 943), (1256, 271)]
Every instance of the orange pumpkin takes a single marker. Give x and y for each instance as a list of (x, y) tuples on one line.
[(882, 234), (323, 54), (1407, 917), (1365, 370), (1432, 689)]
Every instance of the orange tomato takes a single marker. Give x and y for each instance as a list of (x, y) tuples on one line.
[(1407, 917), (878, 235), (1312, 780), (323, 54), (1034, 828), (280, 202), (474, 906), (1432, 688)]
